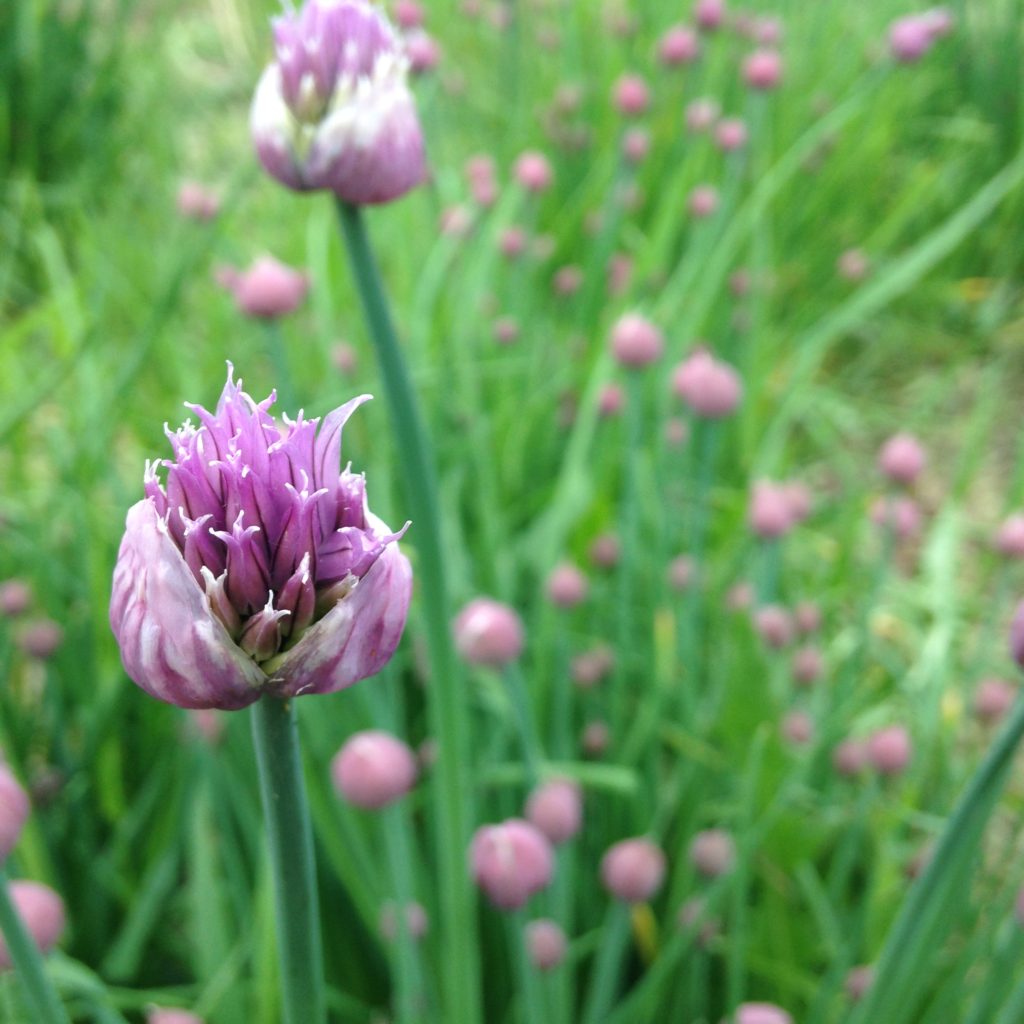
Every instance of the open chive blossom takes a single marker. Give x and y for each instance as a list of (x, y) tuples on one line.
[(255, 567), (334, 110)]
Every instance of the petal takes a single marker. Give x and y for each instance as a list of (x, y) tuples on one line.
[(171, 643), (356, 638)]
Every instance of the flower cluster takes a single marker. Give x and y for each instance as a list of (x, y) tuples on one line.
[(256, 567)]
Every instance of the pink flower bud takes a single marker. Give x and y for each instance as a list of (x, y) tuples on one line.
[(408, 13), (423, 52), (592, 667), (636, 144), (207, 724), (506, 330), (740, 596), (160, 1015), (567, 586), (703, 201), (568, 280), (556, 808), (889, 750), (768, 31), (334, 110), (693, 914), (636, 342), (345, 358), (1009, 540), (488, 633), (512, 242), (533, 172), (280, 580), (611, 401), (1018, 908), (897, 513), (709, 14), (853, 265), (14, 808), (710, 387), (761, 1013), (620, 268), (1017, 635), (850, 757), (731, 134), (15, 598), (910, 38), (596, 738), (771, 512), (701, 114), (679, 45), (858, 982), (677, 433), (268, 289), (605, 551), (373, 769), (992, 699), (797, 728), (808, 665), (197, 202), (774, 625), (712, 852), (42, 913), (511, 862), (682, 571), (545, 944), (902, 458), (631, 95), (416, 921), (633, 869), (807, 617), (763, 70), (40, 638)]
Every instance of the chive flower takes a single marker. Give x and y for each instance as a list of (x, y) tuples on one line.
[(255, 567)]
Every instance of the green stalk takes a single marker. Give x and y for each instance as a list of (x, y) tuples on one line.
[(277, 351), (604, 977), (928, 912), (28, 963), (293, 869), (409, 1004), (451, 792)]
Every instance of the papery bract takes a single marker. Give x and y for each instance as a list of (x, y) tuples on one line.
[(256, 567)]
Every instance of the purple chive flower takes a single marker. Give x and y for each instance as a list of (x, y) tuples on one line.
[(256, 567), (334, 110)]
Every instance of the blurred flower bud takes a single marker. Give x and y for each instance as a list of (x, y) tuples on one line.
[(679, 45), (713, 852), (591, 667), (710, 387), (373, 769), (761, 1013), (605, 551), (197, 202), (596, 738), (709, 14), (771, 512), (682, 572), (42, 913), (40, 638), (902, 458), (511, 862), (774, 625), (334, 110), (889, 750), (161, 1015), (992, 699), (850, 757), (731, 134), (15, 598), (898, 514), (533, 172), (853, 265), (556, 808), (488, 632), (1009, 540), (416, 921), (858, 981), (797, 728), (631, 95), (701, 114), (14, 810), (703, 201), (763, 70), (636, 342), (545, 944), (633, 869), (567, 586), (808, 665)]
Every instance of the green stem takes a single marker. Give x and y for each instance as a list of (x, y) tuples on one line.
[(28, 963), (408, 980), (290, 834), (605, 975), (278, 352), (452, 789)]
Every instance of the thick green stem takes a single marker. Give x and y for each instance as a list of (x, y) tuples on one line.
[(290, 834), (418, 478), (28, 963)]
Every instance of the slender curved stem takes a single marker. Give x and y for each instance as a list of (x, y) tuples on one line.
[(296, 907), (419, 481), (28, 963)]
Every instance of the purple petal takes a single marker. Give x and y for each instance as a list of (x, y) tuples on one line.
[(171, 643)]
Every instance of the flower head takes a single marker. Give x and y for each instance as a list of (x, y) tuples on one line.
[(334, 110), (255, 567)]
